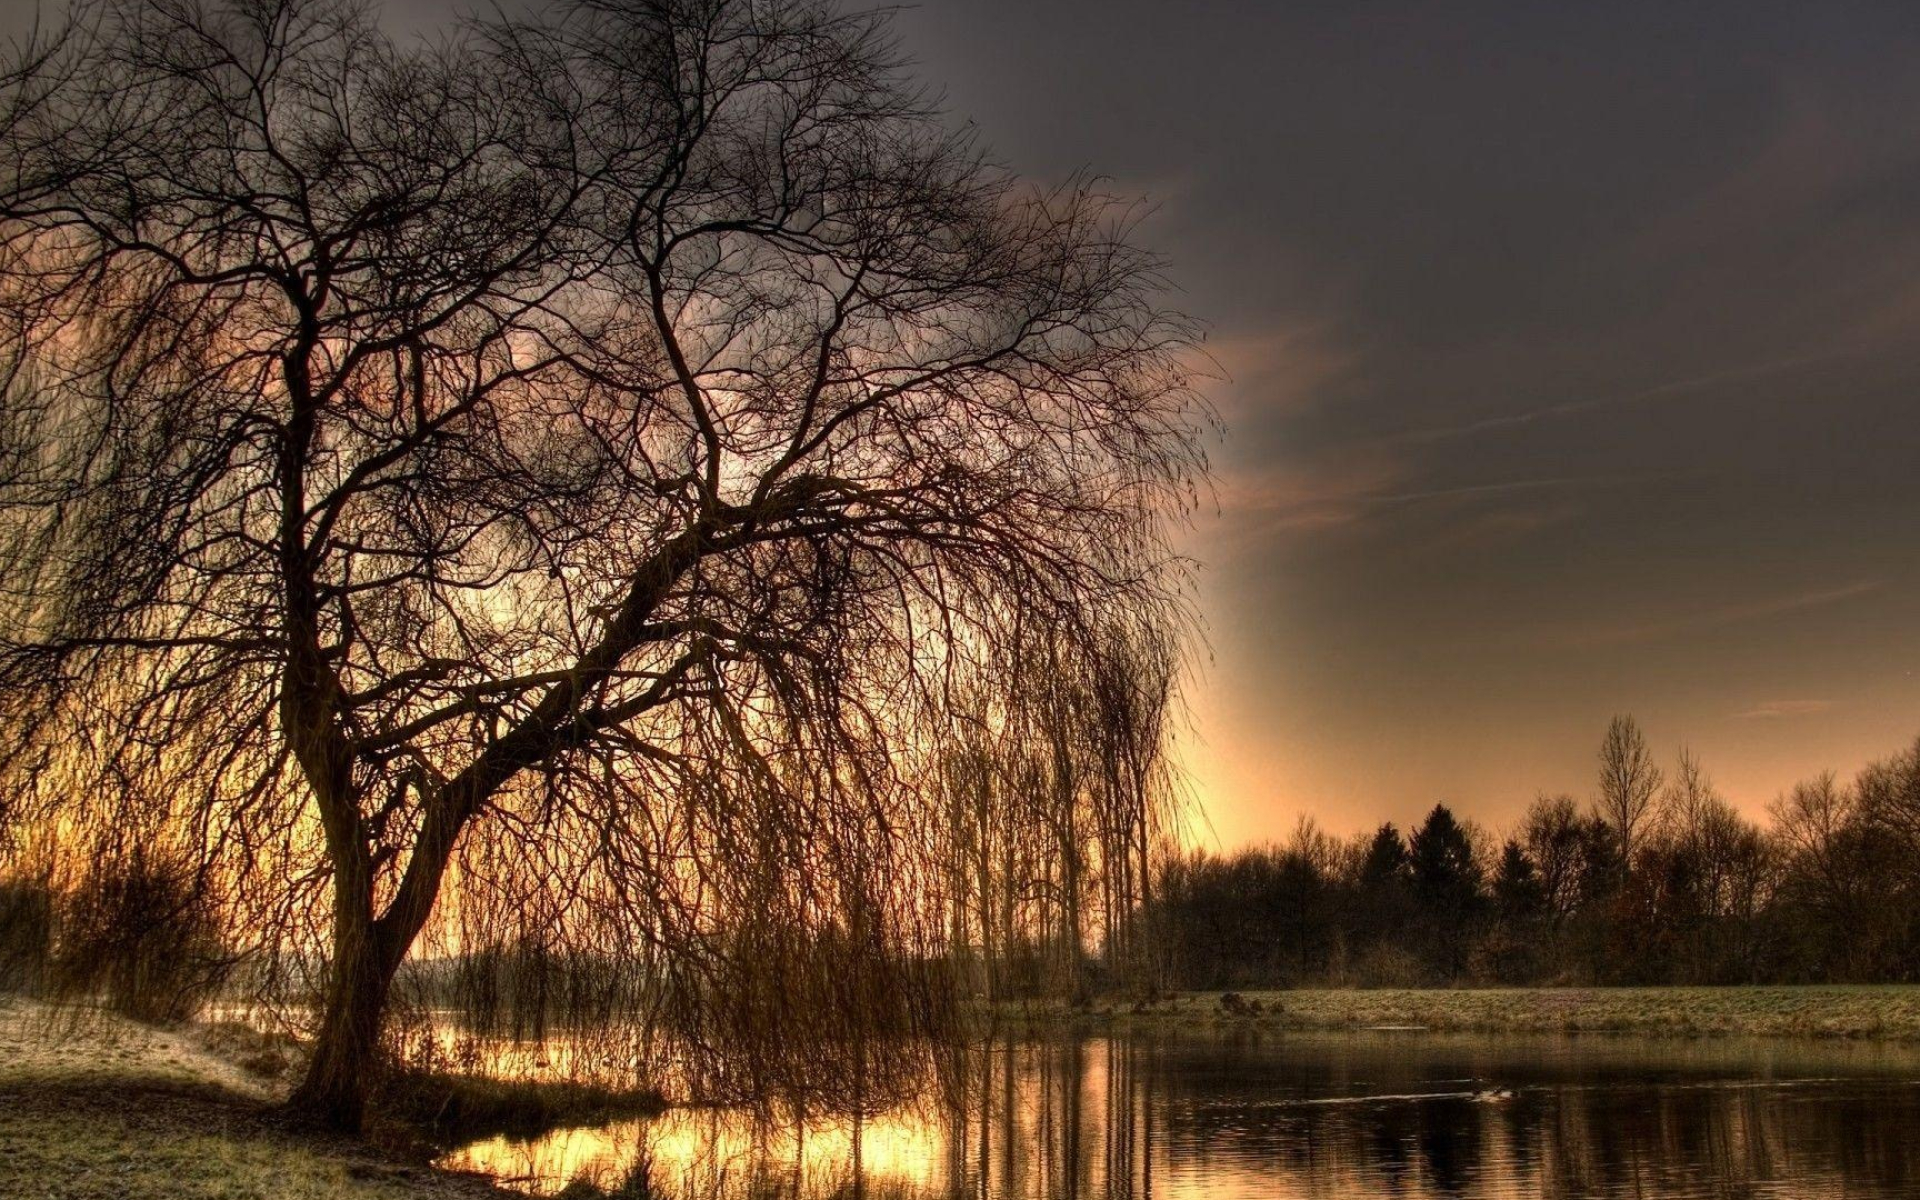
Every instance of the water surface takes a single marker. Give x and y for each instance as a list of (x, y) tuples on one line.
[(1389, 1114)]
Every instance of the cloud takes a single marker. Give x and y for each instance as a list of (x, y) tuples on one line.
[(1500, 526), (1274, 371), (1710, 618), (1500, 488), (1333, 490), (1769, 710), (1363, 481), (1672, 388)]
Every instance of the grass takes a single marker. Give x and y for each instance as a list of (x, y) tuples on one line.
[(1882, 1012), (94, 1107), (158, 1139)]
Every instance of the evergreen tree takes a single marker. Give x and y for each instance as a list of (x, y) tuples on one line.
[(1517, 892), (1381, 904), (1446, 882), (1386, 859)]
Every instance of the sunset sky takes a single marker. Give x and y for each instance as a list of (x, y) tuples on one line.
[(1575, 369)]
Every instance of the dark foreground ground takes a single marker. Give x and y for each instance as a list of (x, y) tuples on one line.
[(94, 1108), (144, 1138)]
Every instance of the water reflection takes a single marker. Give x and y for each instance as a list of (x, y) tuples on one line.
[(1302, 1115)]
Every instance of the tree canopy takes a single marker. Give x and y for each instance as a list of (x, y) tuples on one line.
[(567, 469)]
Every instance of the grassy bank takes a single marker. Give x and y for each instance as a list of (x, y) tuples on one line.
[(1890, 1012), (94, 1107)]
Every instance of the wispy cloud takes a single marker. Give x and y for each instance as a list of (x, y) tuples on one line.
[(1362, 485), (1675, 387), (1269, 375), (1503, 487), (1501, 525), (1769, 710), (1701, 620), (1330, 491)]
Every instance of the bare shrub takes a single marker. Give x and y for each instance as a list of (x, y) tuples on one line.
[(26, 933), (139, 934), (1389, 966)]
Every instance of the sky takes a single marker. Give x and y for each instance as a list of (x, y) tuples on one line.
[(1571, 360), (1573, 357)]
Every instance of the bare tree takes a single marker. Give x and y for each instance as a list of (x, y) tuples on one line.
[(1715, 837), (1889, 792), (572, 462), (1688, 797), (1629, 781), (1553, 834), (1079, 759), (1839, 863)]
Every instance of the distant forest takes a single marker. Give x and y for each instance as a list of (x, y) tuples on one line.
[(1659, 880)]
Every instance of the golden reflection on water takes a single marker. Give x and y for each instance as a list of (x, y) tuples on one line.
[(1415, 1116), (709, 1152)]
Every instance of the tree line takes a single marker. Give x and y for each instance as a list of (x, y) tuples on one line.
[(1657, 880)]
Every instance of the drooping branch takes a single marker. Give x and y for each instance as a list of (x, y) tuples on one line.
[(638, 435)]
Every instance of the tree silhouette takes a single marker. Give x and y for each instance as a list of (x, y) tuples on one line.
[(570, 465), (1382, 900), (1446, 883), (1517, 891), (1629, 781)]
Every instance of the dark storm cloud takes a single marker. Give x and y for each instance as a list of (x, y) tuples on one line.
[(1575, 351)]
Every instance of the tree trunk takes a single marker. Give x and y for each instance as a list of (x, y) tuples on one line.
[(346, 1053)]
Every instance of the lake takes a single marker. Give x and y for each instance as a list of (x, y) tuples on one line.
[(1379, 1113)]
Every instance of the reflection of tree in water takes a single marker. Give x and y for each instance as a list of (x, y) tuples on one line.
[(1252, 1121), (1447, 1132), (1421, 1119)]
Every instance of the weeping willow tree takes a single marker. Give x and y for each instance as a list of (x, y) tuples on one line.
[(537, 496), (1059, 799)]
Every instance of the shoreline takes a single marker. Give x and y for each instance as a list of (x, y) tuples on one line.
[(1864, 1012), (99, 1107)]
